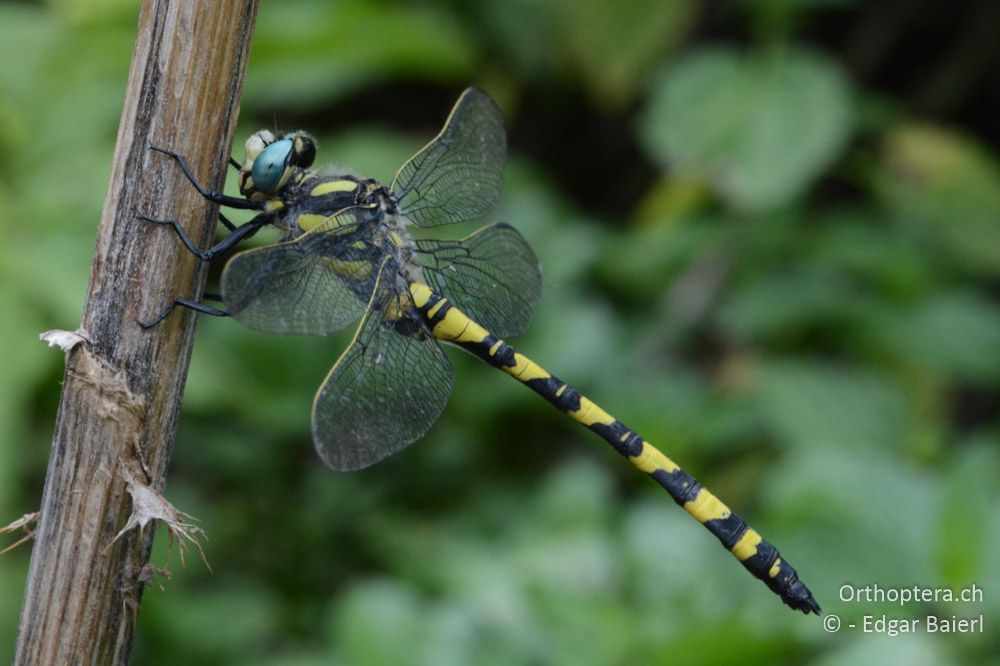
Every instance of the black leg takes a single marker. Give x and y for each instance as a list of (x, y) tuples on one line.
[(226, 223), (188, 243), (238, 235), (184, 303), (236, 165), (211, 195)]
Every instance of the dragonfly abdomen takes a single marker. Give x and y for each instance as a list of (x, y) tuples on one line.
[(449, 324)]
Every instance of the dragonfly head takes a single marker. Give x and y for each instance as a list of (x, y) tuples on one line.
[(271, 159)]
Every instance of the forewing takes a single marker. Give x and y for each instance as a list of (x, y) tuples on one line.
[(385, 391), (317, 284), (459, 174), (491, 275)]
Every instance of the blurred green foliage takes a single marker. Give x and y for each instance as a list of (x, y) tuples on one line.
[(784, 273)]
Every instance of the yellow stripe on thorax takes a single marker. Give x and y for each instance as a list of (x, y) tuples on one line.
[(397, 306), (332, 186), (310, 221), (357, 270)]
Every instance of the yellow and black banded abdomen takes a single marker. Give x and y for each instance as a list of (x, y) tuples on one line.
[(758, 556)]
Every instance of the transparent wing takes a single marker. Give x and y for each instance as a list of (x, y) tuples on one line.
[(491, 275), (458, 175), (386, 390), (317, 284)]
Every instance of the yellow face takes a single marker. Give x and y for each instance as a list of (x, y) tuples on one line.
[(252, 148)]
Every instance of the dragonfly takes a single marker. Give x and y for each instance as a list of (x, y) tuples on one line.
[(347, 255)]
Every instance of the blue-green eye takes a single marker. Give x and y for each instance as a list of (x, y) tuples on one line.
[(270, 165)]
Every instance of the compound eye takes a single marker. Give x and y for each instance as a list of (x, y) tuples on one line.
[(270, 165)]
